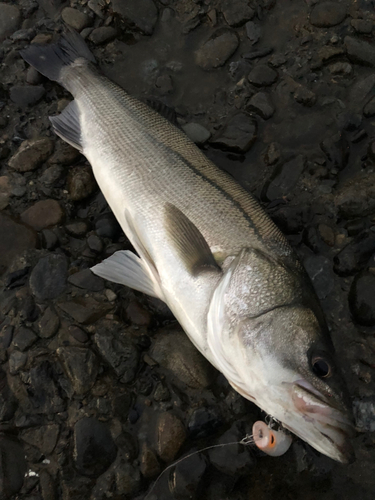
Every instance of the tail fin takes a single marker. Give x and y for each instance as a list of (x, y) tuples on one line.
[(49, 60)]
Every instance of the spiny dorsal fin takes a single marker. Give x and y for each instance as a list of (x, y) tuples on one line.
[(188, 241)]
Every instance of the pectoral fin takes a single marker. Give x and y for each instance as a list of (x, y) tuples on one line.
[(188, 241)]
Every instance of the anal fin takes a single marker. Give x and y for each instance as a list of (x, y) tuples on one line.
[(67, 125)]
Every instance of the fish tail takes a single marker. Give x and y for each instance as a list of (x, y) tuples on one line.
[(51, 60)]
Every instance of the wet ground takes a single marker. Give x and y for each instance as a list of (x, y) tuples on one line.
[(99, 389)]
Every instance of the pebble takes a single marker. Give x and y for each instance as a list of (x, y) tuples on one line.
[(217, 49), (77, 228), (48, 278), (87, 280), (164, 84), (78, 334), (173, 350), (204, 422), (81, 366), (336, 148), (341, 68), (327, 234), (149, 463), (103, 34), (361, 298), (236, 12), (360, 51), (355, 256), (261, 103), (327, 14), (369, 108), (13, 465), (43, 393), (304, 96), (76, 19), (85, 310), (319, 268), (10, 18), (188, 477), (48, 324), (362, 25), (364, 412), (24, 338), (196, 132), (356, 197), (284, 178), (142, 14), (171, 436), (52, 175), (81, 183), (137, 314), (273, 154), (43, 438), (31, 154), (26, 95), (238, 135), (17, 360), (64, 154), (253, 31), (43, 214), (94, 448), (97, 7), (106, 226), (262, 76), (33, 76), (15, 239)]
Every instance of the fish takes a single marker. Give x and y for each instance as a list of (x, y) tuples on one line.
[(207, 249)]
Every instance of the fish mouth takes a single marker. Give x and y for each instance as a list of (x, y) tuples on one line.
[(331, 424)]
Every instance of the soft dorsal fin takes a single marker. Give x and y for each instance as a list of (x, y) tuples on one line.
[(188, 241)]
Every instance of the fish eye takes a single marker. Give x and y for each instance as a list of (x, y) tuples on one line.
[(321, 367)]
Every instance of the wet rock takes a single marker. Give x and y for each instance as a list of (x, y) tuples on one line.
[(361, 298), (24, 338), (285, 178), (273, 154), (5, 191), (355, 255), (364, 412), (52, 176), (26, 95), (103, 34), (217, 50), (64, 154), (10, 18), (47, 486), (43, 214), (17, 278), (341, 68), (356, 198), (164, 84), (76, 19), (304, 96), (48, 278), (120, 353), (15, 239), (262, 76), (196, 132), (238, 135), (204, 422), (237, 12), (360, 51), (13, 465), (171, 435), (369, 109), (253, 32), (149, 463), (17, 360), (319, 268), (44, 438), (94, 448), (81, 183), (327, 234), (362, 25), (48, 324), (327, 14), (121, 405), (77, 228), (85, 310), (81, 366), (31, 154), (33, 76), (49, 239), (174, 351), (262, 105), (137, 314), (87, 280), (78, 334), (142, 14), (6, 336), (95, 243), (106, 226), (336, 148)]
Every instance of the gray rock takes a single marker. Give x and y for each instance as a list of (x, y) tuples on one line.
[(204, 422), (52, 175), (81, 183), (261, 103), (196, 132), (44, 438), (95, 243), (174, 351), (356, 197), (188, 476), (48, 278), (43, 214), (26, 95), (33, 76), (44, 395), (94, 448), (262, 76), (106, 226), (15, 239), (362, 25), (327, 14), (237, 12), (137, 314), (81, 366), (217, 50), (319, 268), (31, 154), (360, 51), (98, 7), (285, 178), (361, 298), (142, 14), (64, 154), (369, 109), (13, 465), (238, 135), (78, 334), (304, 96), (341, 68), (336, 148), (85, 310), (24, 338), (87, 280), (77, 228), (17, 360), (364, 412), (76, 19), (10, 18), (170, 436), (253, 31), (48, 324), (103, 34), (355, 256), (273, 154)]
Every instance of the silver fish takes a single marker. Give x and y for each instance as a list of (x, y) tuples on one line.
[(207, 249)]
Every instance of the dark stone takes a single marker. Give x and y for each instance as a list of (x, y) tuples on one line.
[(81, 183), (355, 256), (362, 25), (253, 32), (204, 422), (255, 54), (44, 395), (52, 176), (48, 278), (24, 338), (262, 76), (10, 18), (17, 360), (327, 14), (78, 334), (33, 76), (217, 49), (44, 438), (238, 135), (28, 310), (85, 310), (196, 132), (103, 34), (77, 228), (87, 280), (43, 214), (319, 268), (358, 136), (285, 178), (81, 366), (369, 109), (336, 148), (137, 314), (64, 154), (262, 105), (26, 95), (106, 226), (161, 392), (356, 198), (15, 239), (187, 476), (121, 405), (95, 243), (273, 154), (361, 298), (6, 336), (49, 239), (304, 96), (94, 448), (17, 278), (13, 465), (170, 436), (142, 14), (48, 324), (360, 51), (76, 19), (237, 12)]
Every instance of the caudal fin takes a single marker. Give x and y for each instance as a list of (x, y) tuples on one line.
[(49, 60)]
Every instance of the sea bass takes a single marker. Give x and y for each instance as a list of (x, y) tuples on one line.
[(207, 249)]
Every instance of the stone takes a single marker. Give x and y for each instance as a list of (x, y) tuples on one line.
[(106, 226), (362, 25), (78, 334), (85, 310), (217, 49), (94, 448), (52, 175), (149, 463), (364, 412), (120, 353), (48, 278), (43, 393), (319, 268), (43, 214), (238, 135), (81, 183), (341, 68), (355, 256), (17, 360), (327, 14), (10, 18), (33, 76), (47, 486), (141, 14), (356, 197), (81, 366), (188, 476), (262, 76), (304, 96), (95, 243), (103, 34), (87, 280), (173, 350), (196, 132), (137, 314), (31, 154), (327, 234), (13, 465), (97, 7), (44, 438), (76, 19), (48, 324), (26, 95), (284, 178), (253, 31), (237, 12), (262, 105), (360, 51), (361, 298), (369, 108), (15, 239), (204, 422), (77, 228), (164, 84), (64, 154), (170, 436), (24, 338), (273, 154), (336, 148)]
